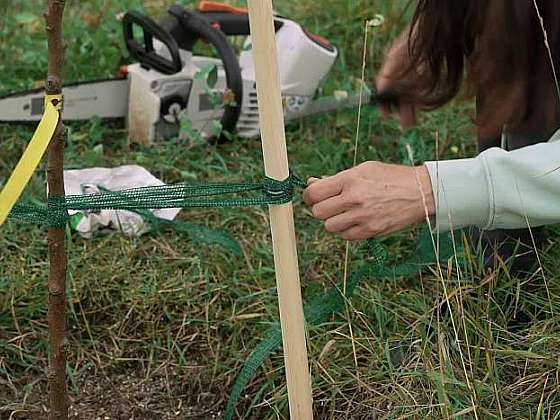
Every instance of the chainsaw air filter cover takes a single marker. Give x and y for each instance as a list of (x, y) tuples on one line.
[(181, 29)]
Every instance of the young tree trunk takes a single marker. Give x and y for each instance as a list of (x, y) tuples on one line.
[(58, 398)]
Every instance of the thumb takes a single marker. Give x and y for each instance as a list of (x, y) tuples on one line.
[(408, 115), (312, 180)]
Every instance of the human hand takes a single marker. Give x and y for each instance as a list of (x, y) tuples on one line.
[(371, 199), (395, 60)]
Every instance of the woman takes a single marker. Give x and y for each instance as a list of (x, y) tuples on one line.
[(498, 48)]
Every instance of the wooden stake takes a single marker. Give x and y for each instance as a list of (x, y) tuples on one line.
[(281, 217), (58, 394)]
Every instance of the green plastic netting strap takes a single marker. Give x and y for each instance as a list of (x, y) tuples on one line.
[(267, 192), (319, 309)]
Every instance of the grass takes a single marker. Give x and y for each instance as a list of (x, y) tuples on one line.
[(159, 326)]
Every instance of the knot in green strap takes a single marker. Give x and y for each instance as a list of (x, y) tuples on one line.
[(57, 213), (282, 192)]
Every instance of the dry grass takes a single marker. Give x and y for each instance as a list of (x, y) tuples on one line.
[(159, 326)]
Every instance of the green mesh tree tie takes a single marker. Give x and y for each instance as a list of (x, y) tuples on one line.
[(319, 309), (57, 213), (267, 192), (142, 200)]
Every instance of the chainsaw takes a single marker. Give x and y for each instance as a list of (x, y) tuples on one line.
[(156, 94)]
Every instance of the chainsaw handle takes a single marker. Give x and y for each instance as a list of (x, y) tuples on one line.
[(233, 24), (144, 52), (193, 25)]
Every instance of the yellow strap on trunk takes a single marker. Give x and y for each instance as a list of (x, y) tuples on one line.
[(31, 157)]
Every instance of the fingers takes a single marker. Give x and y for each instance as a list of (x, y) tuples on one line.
[(408, 115), (320, 190), (324, 195), (330, 207), (312, 180), (341, 222), (349, 226), (355, 233), (382, 84)]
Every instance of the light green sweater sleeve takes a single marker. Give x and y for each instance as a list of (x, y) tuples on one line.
[(499, 189)]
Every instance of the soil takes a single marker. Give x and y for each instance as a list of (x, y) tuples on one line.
[(116, 396)]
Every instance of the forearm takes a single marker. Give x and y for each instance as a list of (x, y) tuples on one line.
[(499, 189)]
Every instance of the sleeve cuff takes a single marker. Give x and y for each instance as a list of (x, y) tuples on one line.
[(462, 193)]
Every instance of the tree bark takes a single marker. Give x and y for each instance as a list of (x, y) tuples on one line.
[(58, 394)]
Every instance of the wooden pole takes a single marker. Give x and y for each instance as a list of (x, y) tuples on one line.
[(58, 394), (281, 217)]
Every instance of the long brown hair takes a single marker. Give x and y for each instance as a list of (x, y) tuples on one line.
[(498, 44)]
